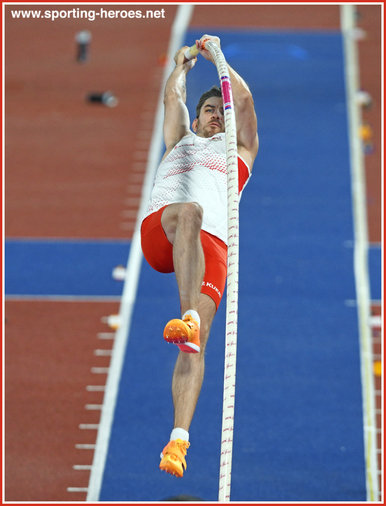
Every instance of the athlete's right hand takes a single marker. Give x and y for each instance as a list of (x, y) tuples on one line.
[(179, 58), (204, 52)]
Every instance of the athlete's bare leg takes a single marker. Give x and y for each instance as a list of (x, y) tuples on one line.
[(182, 226), (189, 369)]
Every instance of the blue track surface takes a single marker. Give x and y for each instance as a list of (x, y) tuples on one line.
[(69, 268), (375, 272), (298, 420)]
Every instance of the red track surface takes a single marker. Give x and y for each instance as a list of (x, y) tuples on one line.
[(82, 162), (49, 355), (75, 170)]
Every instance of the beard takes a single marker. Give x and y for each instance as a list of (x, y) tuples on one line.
[(208, 130)]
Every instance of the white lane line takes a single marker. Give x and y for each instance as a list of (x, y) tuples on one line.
[(106, 335), (99, 370), (95, 388), (85, 446), (362, 284), (103, 353), (180, 25), (375, 321)]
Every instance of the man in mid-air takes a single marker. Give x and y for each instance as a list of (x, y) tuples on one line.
[(185, 227)]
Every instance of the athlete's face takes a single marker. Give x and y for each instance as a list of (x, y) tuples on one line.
[(211, 119)]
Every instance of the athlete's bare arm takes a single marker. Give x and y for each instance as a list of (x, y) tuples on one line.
[(246, 121), (176, 120)]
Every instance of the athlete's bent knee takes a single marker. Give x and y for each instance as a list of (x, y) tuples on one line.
[(191, 213)]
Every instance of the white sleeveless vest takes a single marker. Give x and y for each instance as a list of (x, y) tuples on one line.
[(195, 171)]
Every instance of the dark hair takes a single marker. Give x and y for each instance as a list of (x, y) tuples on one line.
[(213, 92)]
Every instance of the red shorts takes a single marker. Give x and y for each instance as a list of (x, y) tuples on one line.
[(158, 252)]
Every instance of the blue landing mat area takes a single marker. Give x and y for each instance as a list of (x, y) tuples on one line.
[(298, 417), (63, 268)]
